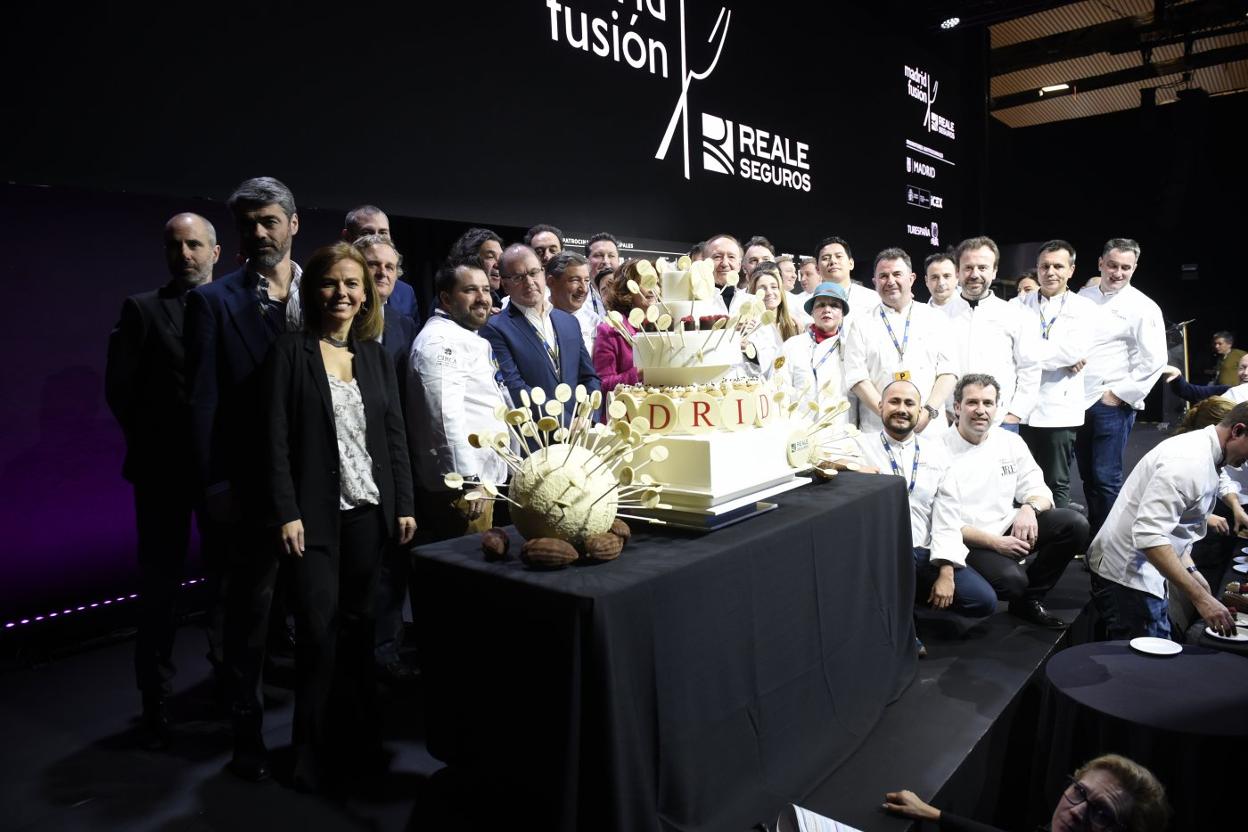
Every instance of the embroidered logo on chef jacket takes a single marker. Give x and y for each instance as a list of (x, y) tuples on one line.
[(1007, 468)]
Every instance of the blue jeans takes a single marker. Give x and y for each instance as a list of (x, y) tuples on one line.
[(1129, 612), (1099, 446), (972, 595)]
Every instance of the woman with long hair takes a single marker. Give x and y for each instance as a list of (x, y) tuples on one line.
[(341, 484), (613, 355), (768, 339)]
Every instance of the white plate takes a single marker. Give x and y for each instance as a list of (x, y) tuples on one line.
[(1242, 558), (1241, 635), (1241, 568), (1241, 619), (1156, 646)]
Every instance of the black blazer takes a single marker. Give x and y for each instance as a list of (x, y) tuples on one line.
[(227, 341), (145, 386), (303, 442)]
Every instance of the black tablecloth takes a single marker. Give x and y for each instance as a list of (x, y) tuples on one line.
[(1182, 716), (697, 682)]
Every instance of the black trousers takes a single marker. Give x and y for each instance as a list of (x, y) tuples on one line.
[(163, 511), (1052, 449), (333, 605), (251, 551), (1063, 534)]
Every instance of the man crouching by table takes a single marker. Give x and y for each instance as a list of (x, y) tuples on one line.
[(942, 579)]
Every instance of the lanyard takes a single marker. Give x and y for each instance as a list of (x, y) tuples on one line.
[(1045, 328), (552, 352), (914, 468), (814, 368), (905, 338)]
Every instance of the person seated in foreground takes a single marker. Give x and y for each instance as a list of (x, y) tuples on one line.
[(1108, 792), (995, 471)]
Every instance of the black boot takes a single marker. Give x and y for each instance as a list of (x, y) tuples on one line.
[(154, 725), (251, 758)]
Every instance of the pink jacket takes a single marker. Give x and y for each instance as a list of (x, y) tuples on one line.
[(613, 357)]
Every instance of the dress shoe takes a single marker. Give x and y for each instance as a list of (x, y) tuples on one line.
[(251, 758), (922, 648), (1033, 611), (397, 671), (154, 724)]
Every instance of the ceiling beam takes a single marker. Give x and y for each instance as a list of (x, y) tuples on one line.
[(1199, 60), (1116, 36)]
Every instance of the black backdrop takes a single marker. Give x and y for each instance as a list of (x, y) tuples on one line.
[(118, 116)]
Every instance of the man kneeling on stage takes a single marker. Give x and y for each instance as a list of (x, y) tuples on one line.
[(942, 579), (994, 471)]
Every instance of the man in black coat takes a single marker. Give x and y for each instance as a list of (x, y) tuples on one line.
[(231, 324), (145, 384)]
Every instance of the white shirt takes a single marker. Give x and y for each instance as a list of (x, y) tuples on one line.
[(1071, 322), (861, 301), (588, 320), (452, 392), (1128, 347), (767, 346), (815, 371), (992, 476), (995, 337), (1164, 501), (871, 354), (935, 503)]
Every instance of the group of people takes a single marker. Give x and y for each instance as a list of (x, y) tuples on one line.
[(307, 418)]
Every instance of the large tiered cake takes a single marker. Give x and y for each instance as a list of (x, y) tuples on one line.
[(730, 441)]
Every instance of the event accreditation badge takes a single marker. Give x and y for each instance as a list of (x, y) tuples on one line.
[(901, 375)]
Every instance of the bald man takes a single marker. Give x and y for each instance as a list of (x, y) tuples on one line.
[(145, 385), (368, 220)]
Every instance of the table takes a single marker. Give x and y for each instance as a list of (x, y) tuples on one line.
[(697, 682), (1182, 716)]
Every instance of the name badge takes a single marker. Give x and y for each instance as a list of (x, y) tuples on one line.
[(903, 375)]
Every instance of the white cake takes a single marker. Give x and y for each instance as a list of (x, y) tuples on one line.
[(726, 439)]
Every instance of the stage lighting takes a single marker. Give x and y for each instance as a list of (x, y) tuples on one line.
[(949, 23)]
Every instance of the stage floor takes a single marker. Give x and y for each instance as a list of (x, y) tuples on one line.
[(70, 759)]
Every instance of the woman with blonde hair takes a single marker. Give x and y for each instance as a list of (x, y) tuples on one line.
[(341, 484)]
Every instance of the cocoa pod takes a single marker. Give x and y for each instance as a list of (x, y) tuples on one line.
[(605, 546), (496, 544), (547, 553), (621, 530)]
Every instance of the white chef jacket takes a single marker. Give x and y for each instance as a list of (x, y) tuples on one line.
[(809, 366), (452, 392), (994, 337), (1233, 480), (870, 354), (935, 503), (1128, 346), (992, 476), (1165, 500), (767, 345), (1072, 323)]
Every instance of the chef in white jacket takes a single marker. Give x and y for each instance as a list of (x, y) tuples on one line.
[(453, 390), (1126, 359), (1066, 324)]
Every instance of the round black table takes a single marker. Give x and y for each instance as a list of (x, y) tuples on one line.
[(1181, 716)]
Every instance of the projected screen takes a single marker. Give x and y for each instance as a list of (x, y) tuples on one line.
[(661, 121)]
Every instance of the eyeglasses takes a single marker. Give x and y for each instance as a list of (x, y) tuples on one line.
[(531, 274), (1100, 816)]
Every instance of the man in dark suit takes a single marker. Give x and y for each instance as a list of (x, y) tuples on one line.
[(535, 344), (230, 326), (365, 221), (386, 264), (145, 385)]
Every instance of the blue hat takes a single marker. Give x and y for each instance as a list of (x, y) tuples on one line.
[(827, 290)]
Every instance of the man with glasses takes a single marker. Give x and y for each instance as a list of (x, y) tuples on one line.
[(535, 344), (1108, 794)]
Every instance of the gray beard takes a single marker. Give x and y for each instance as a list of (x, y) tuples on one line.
[(268, 258)]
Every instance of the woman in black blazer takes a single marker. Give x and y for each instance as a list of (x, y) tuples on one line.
[(341, 485)]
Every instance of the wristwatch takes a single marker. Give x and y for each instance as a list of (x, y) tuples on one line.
[(932, 412), (1191, 569)]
